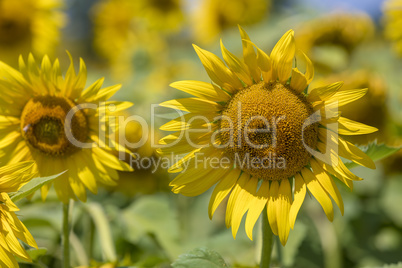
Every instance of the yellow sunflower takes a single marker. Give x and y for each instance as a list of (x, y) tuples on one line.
[(13, 177), (120, 33), (256, 130), (213, 17), (333, 34), (393, 21), (29, 25), (60, 124), (166, 15)]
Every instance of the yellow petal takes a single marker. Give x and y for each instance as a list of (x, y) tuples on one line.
[(110, 160), (222, 190), (241, 183), (236, 65), (271, 209), (299, 194), (318, 192), (244, 198), (323, 93), (282, 210), (264, 63), (202, 90), (200, 186), (190, 120), (327, 183), (249, 56), (282, 56), (350, 127), (217, 70), (192, 105), (343, 97), (349, 151), (298, 81), (6, 258), (255, 207)]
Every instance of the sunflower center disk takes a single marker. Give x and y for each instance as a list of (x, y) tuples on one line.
[(47, 125), (262, 131)]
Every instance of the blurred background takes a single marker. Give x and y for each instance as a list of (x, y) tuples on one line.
[(147, 44)]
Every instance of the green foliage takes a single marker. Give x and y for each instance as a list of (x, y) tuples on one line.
[(200, 258)]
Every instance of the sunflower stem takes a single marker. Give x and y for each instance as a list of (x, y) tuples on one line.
[(66, 235), (267, 241)]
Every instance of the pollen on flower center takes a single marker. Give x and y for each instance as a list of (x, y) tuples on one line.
[(263, 129), (43, 125)]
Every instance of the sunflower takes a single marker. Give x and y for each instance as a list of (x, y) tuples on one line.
[(149, 176), (166, 15), (13, 177), (120, 33), (333, 34), (29, 25), (59, 124), (213, 17), (393, 20), (290, 136)]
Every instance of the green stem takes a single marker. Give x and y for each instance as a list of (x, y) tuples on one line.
[(66, 235), (267, 241)]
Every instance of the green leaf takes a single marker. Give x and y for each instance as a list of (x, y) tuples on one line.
[(103, 228), (376, 152), (200, 258), (36, 254), (153, 215), (32, 186)]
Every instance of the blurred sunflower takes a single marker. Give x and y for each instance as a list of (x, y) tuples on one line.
[(29, 25), (213, 17), (303, 149), (393, 21), (60, 125), (330, 39), (13, 177), (370, 109), (166, 15), (147, 177), (120, 33)]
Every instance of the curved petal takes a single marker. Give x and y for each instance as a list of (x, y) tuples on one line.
[(249, 56), (217, 70), (236, 65), (299, 194), (201, 89), (318, 192), (282, 56)]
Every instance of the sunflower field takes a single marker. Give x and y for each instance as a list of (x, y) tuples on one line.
[(200, 133)]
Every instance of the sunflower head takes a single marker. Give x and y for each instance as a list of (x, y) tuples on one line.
[(60, 124), (12, 178), (334, 34), (257, 129), (28, 25), (213, 17)]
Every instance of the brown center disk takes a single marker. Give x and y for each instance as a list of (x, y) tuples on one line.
[(262, 127), (43, 122)]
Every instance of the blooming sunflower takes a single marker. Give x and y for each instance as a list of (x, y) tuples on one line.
[(290, 136), (393, 20), (213, 17), (29, 25), (59, 124), (13, 177)]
